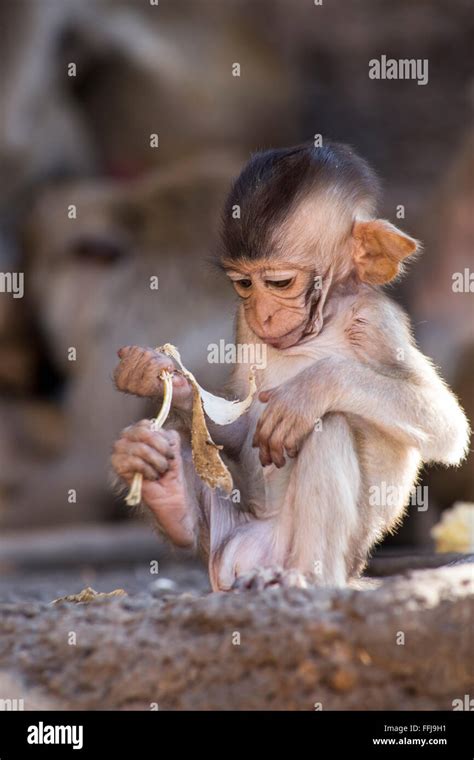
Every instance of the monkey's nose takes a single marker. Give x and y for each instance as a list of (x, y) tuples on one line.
[(266, 324)]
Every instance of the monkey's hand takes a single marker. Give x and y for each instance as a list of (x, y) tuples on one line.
[(139, 370), (286, 421), (156, 454)]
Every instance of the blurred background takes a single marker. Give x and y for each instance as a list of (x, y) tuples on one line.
[(130, 112)]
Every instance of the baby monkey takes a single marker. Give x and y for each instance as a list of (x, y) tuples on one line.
[(347, 409)]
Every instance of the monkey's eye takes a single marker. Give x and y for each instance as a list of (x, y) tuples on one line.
[(243, 284), (280, 284)]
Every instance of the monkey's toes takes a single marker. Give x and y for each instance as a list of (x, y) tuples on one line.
[(269, 577)]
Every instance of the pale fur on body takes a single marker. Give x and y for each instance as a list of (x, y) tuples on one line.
[(381, 420)]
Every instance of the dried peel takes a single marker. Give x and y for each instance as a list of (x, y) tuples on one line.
[(207, 460), (90, 595)]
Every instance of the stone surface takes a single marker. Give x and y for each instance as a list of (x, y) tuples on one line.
[(341, 649)]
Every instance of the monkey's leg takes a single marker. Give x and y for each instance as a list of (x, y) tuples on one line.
[(170, 487), (180, 502), (269, 577), (312, 534), (225, 522), (320, 514), (244, 553)]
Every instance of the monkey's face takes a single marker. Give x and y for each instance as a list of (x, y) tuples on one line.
[(276, 299)]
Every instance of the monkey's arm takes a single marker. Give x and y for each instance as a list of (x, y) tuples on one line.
[(382, 378), (415, 407), (392, 384), (138, 372)]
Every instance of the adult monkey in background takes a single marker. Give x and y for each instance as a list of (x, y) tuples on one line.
[(348, 408)]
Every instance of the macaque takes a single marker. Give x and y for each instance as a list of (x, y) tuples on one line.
[(347, 410)]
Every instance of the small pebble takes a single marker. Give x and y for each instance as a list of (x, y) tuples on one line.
[(162, 586)]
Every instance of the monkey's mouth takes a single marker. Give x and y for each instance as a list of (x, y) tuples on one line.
[(287, 340)]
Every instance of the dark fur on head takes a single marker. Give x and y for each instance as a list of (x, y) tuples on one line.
[(274, 182)]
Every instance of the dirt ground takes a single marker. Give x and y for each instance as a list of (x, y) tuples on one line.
[(397, 641)]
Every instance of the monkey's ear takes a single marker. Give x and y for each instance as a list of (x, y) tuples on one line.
[(379, 250)]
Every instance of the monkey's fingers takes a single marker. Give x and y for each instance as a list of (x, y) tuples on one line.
[(144, 451), (124, 351), (127, 465), (139, 370), (292, 441), (266, 423), (275, 445), (143, 432), (265, 427)]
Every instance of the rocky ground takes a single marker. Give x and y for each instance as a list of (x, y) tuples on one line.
[(402, 641)]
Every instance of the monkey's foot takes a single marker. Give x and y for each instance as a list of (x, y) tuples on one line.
[(269, 577), (167, 497)]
